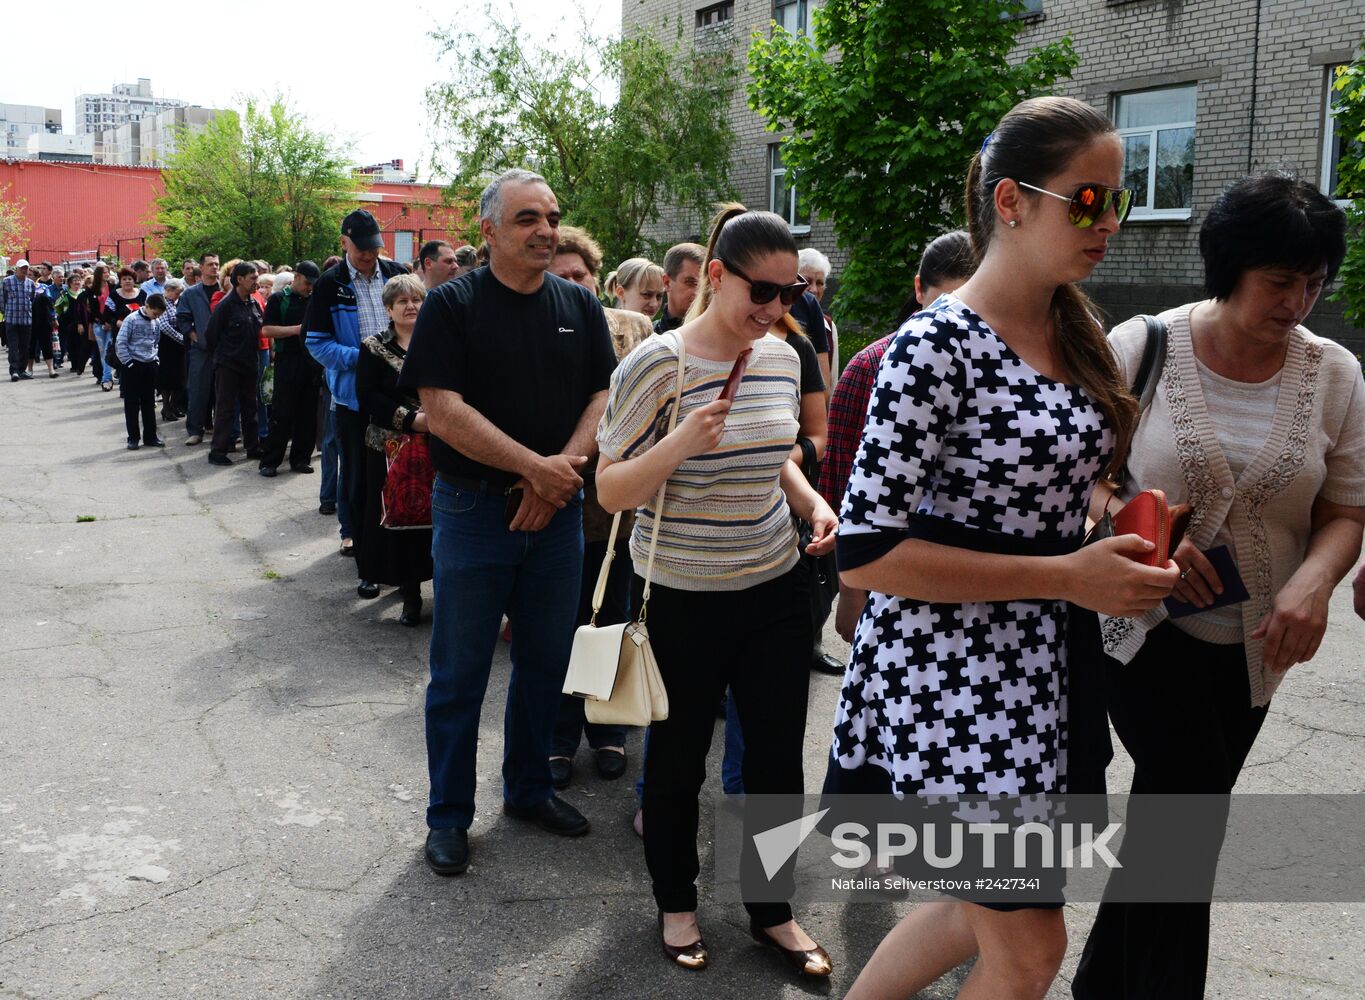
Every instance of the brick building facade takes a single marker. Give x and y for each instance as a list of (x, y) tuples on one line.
[(1203, 91)]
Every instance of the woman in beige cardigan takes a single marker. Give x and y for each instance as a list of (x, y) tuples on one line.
[(1260, 426)]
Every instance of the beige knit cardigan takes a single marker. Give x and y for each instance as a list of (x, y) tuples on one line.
[(1315, 446)]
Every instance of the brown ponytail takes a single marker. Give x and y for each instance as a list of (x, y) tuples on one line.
[(740, 236), (1032, 143)]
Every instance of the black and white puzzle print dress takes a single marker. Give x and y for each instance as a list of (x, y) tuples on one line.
[(963, 435)]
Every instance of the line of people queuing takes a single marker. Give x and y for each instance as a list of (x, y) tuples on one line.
[(943, 486)]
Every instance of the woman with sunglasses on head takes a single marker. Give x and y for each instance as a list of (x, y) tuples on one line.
[(1260, 426), (723, 607), (995, 413)]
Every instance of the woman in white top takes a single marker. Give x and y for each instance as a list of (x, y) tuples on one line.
[(1260, 426)]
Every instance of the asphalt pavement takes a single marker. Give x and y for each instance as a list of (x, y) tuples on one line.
[(214, 775)]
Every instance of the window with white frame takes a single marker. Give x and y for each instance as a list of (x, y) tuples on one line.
[(791, 15), (1157, 129), (783, 195), (1333, 145)]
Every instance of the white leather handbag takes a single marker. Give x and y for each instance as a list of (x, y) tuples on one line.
[(613, 666)]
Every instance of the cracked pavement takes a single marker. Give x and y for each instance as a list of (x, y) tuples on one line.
[(214, 770)]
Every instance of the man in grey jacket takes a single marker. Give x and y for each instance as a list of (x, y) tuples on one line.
[(192, 319)]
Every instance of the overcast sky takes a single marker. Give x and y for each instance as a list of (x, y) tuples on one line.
[(355, 69)]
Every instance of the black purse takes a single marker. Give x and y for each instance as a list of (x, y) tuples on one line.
[(821, 572), (111, 357)]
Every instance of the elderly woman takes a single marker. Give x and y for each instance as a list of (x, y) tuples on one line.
[(578, 258), (1260, 426), (398, 557)]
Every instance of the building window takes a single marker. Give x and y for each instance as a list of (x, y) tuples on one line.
[(790, 15), (719, 13), (1333, 145), (783, 195), (1157, 129)]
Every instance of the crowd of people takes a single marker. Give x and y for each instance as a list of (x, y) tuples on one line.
[(942, 483)]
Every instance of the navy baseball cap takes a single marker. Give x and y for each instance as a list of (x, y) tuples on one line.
[(362, 230), (308, 269)]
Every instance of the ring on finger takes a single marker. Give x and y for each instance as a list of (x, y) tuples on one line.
[(1185, 573)]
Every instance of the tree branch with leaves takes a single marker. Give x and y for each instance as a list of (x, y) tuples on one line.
[(1348, 105), (885, 101)]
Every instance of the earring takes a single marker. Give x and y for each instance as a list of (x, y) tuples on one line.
[(1013, 223)]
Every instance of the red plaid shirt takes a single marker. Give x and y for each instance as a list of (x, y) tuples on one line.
[(847, 415)]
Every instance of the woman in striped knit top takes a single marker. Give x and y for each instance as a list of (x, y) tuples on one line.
[(724, 610)]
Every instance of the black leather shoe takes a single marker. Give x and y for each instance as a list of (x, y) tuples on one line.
[(155, 443), (218, 458), (447, 851), (554, 815), (826, 664), (327, 508), (307, 470), (411, 614), (690, 956), (814, 963), (133, 445), (267, 471), (561, 771), (611, 764), (367, 590)]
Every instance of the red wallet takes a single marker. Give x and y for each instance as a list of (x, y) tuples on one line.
[(1148, 515)]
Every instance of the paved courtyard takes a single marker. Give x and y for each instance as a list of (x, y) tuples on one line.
[(212, 770)]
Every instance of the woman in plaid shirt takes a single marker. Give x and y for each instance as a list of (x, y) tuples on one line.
[(946, 264)]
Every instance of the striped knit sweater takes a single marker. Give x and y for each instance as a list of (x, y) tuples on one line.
[(726, 524)]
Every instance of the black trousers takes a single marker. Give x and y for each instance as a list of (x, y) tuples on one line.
[(293, 413), (80, 348), (757, 642), (138, 387), (1182, 709), (351, 449), (233, 390)]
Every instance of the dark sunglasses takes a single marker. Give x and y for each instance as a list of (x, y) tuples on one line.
[(763, 292), (1088, 205)]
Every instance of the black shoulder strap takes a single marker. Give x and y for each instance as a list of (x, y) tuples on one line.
[(1153, 360)]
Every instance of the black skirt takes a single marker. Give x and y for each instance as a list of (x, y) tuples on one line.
[(388, 555), (170, 376)]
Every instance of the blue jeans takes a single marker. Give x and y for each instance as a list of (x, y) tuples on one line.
[(104, 334), (330, 491), (482, 571), (731, 764)]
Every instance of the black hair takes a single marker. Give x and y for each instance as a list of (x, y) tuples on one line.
[(156, 301), (947, 258), (205, 256), (431, 249), (1272, 219), (241, 271)]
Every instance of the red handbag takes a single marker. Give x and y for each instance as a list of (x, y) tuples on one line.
[(1148, 515), (406, 498)]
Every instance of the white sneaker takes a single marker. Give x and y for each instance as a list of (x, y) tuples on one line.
[(195, 439)]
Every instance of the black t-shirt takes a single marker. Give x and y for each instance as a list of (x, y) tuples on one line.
[(806, 311), (811, 379), (277, 314), (528, 363)]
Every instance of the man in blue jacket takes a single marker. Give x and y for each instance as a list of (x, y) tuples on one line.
[(347, 306)]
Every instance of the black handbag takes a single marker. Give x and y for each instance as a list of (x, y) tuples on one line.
[(821, 572), (111, 357)]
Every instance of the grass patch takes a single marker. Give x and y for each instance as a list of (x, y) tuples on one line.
[(270, 574), (84, 518)]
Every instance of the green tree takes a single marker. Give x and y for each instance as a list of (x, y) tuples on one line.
[(259, 185), (1349, 111), (619, 128), (886, 101), (13, 225)]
